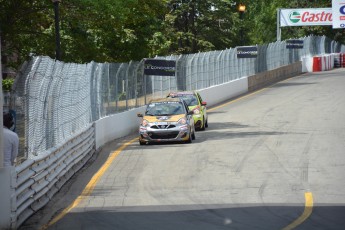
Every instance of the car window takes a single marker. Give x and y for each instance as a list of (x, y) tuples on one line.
[(164, 109), (186, 106), (191, 100), (176, 108)]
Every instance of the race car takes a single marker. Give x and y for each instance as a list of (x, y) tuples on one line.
[(166, 120), (196, 104)]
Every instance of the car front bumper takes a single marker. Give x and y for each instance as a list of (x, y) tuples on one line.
[(156, 133), (198, 120)]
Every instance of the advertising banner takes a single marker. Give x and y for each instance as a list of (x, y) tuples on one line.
[(294, 44), (247, 52), (159, 67), (306, 17), (338, 10)]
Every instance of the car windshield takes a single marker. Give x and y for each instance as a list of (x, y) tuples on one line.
[(190, 100), (164, 109)]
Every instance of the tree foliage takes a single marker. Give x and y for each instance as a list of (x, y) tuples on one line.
[(123, 30)]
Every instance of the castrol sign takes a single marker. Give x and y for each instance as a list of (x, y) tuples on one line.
[(306, 17)]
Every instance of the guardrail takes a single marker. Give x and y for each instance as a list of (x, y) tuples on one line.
[(37, 180)]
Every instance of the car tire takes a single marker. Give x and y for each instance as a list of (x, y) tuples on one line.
[(193, 134), (190, 138), (142, 142), (206, 123)]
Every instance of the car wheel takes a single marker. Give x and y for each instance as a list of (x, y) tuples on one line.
[(206, 124), (193, 134), (142, 142), (190, 137)]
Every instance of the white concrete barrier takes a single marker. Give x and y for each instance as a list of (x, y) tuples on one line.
[(219, 93), (116, 126), (122, 124)]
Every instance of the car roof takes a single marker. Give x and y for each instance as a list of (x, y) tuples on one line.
[(167, 99), (182, 93)]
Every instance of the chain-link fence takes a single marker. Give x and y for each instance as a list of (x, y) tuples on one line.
[(53, 100)]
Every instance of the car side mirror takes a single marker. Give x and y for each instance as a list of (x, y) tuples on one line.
[(140, 115), (204, 103)]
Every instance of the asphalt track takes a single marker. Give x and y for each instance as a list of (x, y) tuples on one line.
[(273, 159)]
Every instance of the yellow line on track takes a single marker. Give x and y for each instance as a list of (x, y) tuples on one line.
[(91, 185), (308, 208)]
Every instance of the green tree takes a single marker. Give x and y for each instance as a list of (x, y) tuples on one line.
[(25, 29), (113, 30), (123, 30), (103, 30), (194, 26)]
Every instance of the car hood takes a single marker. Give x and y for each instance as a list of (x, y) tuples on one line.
[(169, 118), (191, 107)]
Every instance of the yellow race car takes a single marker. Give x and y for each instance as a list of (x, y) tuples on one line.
[(166, 120), (196, 104)]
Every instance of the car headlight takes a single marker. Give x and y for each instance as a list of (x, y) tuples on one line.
[(196, 111), (144, 123), (182, 121)]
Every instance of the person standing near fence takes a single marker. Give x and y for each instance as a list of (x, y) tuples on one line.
[(10, 140)]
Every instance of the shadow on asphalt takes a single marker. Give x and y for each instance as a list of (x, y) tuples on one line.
[(285, 84), (225, 125), (203, 217)]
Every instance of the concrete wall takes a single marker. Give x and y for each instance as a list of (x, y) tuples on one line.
[(261, 80), (217, 94), (116, 126), (122, 124)]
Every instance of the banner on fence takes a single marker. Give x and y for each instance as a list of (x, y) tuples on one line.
[(247, 52), (294, 44), (160, 67)]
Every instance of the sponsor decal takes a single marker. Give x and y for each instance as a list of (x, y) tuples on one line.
[(294, 44), (342, 9), (295, 16), (342, 12), (247, 52), (334, 16), (159, 67), (305, 17)]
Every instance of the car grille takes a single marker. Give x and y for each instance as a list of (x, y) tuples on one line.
[(163, 135), (163, 126)]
